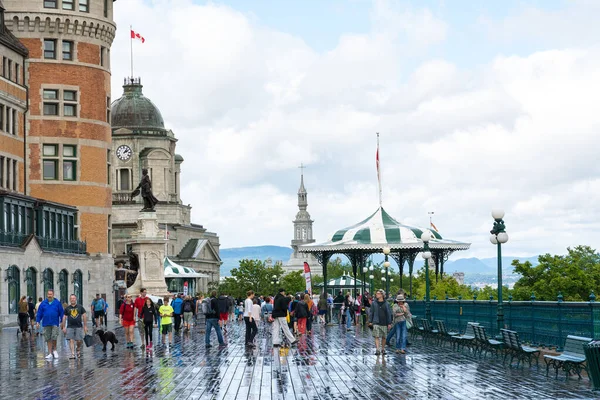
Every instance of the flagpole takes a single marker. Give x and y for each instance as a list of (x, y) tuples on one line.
[(379, 172), (131, 47)]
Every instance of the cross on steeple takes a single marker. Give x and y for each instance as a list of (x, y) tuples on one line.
[(302, 167)]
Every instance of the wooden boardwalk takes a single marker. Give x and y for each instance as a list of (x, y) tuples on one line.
[(330, 364)]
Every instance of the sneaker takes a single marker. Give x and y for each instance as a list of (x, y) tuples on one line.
[(208, 346), (55, 354), (222, 344), (49, 357)]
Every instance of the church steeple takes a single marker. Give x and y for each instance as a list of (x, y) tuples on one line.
[(302, 195)]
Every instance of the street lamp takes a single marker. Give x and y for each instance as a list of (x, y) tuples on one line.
[(275, 281), (371, 278), (426, 237), (386, 264), (365, 269), (499, 237)]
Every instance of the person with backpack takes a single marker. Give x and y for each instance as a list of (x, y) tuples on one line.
[(210, 308), (301, 313), (188, 313), (177, 303), (223, 312), (98, 307), (313, 311)]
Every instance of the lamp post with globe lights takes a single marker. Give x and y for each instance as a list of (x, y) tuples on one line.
[(275, 281), (499, 237), (426, 237), (364, 279), (386, 265)]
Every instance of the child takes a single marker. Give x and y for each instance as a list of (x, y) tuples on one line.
[(166, 313), (149, 317)]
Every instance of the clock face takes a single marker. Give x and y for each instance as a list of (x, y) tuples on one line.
[(124, 152)]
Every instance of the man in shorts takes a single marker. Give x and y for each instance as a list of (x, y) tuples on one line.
[(223, 303), (74, 325), (139, 305), (166, 324), (380, 320), (98, 307), (50, 314)]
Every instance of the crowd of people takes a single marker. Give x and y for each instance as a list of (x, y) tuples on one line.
[(284, 316)]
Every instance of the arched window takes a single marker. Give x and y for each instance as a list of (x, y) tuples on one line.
[(31, 279), (14, 288), (48, 280), (78, 286), (63, 286)]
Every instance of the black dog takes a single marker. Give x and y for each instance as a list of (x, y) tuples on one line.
[(106, 337)]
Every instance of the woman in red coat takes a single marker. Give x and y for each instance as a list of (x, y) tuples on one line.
[(127, 319)]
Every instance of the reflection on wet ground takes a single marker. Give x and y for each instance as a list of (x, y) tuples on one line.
[(330, 364)]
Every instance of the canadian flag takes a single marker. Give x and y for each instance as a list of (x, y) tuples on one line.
[(135, 35)]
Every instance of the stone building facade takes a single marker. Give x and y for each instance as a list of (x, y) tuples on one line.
[(68, 123), (141, 141)]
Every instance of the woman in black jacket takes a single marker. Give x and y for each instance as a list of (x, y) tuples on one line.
[(150, 317), (302, 313), (280, 310)]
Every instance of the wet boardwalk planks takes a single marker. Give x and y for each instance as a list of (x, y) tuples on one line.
[(332, 364)]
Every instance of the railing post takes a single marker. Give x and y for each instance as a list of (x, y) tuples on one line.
[(474, 307), (592, 301), (559, 300), (533, 341), (459, 309)]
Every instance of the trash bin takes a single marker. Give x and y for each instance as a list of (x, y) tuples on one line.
[(592, 355)]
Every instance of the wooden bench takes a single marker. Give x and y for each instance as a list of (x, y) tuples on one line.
[(515, 349), (444, 334), (571, 359), (428, 331), (468, 338), (484, 343)]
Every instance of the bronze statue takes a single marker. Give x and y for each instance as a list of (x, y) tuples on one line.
[(145, 187)]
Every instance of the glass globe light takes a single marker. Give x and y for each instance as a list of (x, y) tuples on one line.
[(427, 255), (497, 213), (386, 264), (493, 239), (386, 250), (503, 237), (426, 236), (371, 277)]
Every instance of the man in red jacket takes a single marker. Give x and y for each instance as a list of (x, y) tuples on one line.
[(139, 305)]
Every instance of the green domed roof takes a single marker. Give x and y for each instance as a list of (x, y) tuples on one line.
[(135, 112)]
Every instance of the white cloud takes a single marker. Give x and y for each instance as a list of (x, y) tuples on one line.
[(248, 104)]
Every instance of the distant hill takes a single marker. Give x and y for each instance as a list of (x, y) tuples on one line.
[(484, 266), (231, 257)]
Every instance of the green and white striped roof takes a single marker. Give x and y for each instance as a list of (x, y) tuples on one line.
[(174, 270), (381, 230)]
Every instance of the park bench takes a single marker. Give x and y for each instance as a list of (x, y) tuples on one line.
[(571, 359), (428, 331), (515, 349), (484, 343), (468, 338), (444, 334)]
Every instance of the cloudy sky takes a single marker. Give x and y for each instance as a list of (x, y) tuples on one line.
[(479, 104)]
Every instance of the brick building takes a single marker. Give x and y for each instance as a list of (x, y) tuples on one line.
[(68, 127)]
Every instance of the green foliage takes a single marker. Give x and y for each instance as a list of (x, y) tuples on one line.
[(293, 282), (575, 275), (251, 275)]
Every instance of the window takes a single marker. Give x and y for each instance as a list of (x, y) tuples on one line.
[(84, 5), (50, 3), (50, 102), (108, 166), (17, 66), (4, 66), (108, 109), (50, 48), (67, 4), (14, 122), (69, 162), (67, 50), (14, 177), (10, 73), (70, 103), (102, 50), (2, 116), (50, 166), (124, 179), (2, 171)]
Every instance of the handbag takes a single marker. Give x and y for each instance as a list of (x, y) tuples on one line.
[(287, 317), (409, 323), (88, 340)]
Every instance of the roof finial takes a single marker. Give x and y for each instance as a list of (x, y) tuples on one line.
[(378, 171)]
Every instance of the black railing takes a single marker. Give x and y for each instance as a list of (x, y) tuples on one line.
[(62, 246), (122, 198), (11, 239)]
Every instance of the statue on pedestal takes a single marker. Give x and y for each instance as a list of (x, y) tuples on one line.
[(145, 187)]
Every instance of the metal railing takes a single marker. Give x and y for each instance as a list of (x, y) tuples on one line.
[(122, 198), (62, 246), (12, 239), (540, 323)]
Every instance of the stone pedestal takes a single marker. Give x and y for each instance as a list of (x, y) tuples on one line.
[(148, 243)]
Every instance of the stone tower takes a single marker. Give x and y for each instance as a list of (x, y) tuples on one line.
[(303, 234), (68, 146)]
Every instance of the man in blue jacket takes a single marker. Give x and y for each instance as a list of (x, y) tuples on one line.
[(177, 312), (50, 314)]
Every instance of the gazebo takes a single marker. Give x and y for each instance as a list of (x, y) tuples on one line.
[(178, 276), (377, 232), (345, 282)]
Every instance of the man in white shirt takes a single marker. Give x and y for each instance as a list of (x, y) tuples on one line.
[(251, 328)]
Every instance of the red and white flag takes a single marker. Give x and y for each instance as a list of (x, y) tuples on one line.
[(135, 35), (434, 227)]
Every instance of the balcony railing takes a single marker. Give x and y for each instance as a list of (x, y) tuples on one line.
[(62, 246), (543, 323), (122, 198), (11, 239)]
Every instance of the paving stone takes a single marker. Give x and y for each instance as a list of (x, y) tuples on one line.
[(330, 364)]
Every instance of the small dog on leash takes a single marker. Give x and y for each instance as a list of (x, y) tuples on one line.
[(105, 337)]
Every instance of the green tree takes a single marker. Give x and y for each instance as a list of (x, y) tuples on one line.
[(575, 275), (250, 275), (293, 282)]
